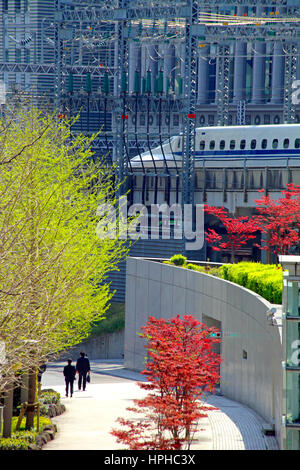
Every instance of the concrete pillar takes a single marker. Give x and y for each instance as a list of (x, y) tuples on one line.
[(259, 67), (259, 73), (298, 62), (169, 65), (277, 73), (278, 69), (203, 75), (134, 63), (240, 63), (152, 62)]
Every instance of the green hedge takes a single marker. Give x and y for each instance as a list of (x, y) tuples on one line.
[(178, 260), (263, 279)]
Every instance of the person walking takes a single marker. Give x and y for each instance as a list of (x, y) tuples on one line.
[(82, 369), (70, 374)]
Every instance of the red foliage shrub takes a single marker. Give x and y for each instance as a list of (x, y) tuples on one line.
[(181, 367)]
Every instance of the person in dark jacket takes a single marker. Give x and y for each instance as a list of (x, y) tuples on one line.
[(82, 369), (69, 373)]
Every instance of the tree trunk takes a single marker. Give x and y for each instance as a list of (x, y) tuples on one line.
[(7, 412), (31, 399), (24, 388)]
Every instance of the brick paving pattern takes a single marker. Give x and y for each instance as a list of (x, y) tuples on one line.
[(232, 427), (236, 427)]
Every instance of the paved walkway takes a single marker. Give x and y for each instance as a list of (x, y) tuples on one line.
[(90, 415)]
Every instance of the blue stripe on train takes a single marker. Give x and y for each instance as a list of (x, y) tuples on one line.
[(247, 153)]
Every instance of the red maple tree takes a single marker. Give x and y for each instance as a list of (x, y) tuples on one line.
[(181, 367), (280, 220), (238, 230)]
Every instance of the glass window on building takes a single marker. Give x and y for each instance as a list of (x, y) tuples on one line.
[(293, 397), (18, 56), (175, 119), (211, 119), (5, 6), (293, 298), (27, 56), (18, 6), (293, 344), (292, 439), (142, 119), (249, 71)]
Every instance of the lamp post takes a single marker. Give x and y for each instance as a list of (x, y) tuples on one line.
[(291, 352)]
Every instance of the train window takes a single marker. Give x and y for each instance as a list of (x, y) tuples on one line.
[(222, 144), (212, 144), (202, 144), (275, 143), (286, 143), (232, 145), (264, 143), (297, 143), (242, 144), (179, 143), (253, 144)]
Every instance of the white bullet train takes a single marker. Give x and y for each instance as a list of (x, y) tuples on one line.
[(259, 145)]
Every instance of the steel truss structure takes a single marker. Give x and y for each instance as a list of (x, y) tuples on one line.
[(81, 30)]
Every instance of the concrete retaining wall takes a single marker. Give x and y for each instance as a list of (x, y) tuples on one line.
[(251, 348), (108, 346)]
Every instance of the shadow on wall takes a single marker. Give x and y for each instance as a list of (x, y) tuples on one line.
[(251, 371), (106, 346)]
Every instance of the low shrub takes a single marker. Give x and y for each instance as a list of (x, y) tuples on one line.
[(28, 436), (194, 267), (49, 397), (178, 260), (13, 444)]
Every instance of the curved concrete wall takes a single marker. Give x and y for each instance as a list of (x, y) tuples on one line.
[(251, 371)]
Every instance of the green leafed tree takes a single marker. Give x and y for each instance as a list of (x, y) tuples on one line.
[(53, 266)]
